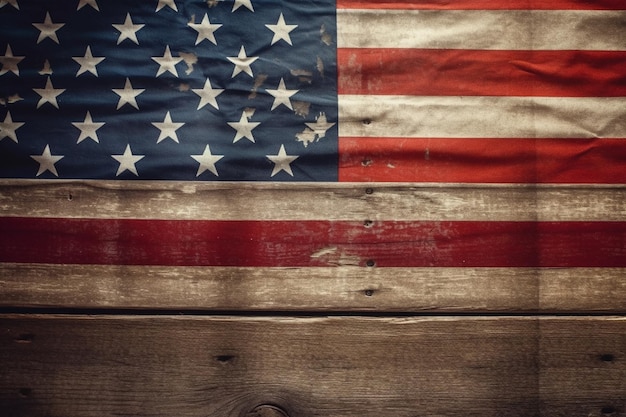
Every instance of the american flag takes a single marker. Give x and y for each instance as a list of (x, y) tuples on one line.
[(466, 134)]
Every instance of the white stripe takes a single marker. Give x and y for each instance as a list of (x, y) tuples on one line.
[(482, 29), (482, 117), (341, 202)]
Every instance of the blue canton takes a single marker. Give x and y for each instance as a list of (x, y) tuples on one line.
[(233, 90)]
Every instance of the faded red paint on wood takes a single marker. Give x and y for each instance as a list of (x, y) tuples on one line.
[(442, 72), (471, 160), (313, 243)]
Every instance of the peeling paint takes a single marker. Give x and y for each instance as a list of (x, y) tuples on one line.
[(326, 37), (184, 87), (319, 65), (301, 72), (314, 131), (258, 82), (323, 252), (304, 76), (249, 111), (301, 108), (46, 70), (348, 260), (190, 59), (14, 98), (306, 136)]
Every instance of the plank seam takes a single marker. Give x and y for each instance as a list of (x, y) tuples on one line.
[(301, 313)]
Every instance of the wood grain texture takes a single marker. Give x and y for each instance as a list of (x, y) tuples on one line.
[(299, 201), (343, 366), (349, 288), (313, 243), (344, 286)]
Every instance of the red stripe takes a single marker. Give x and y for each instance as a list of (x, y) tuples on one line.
[(576, 161), (445, 72), (484, 4), (312, 243)]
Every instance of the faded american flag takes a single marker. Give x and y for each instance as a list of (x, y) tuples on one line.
[(428, 91), (467, 139), (169, 90)]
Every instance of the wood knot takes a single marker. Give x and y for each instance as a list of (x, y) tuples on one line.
[(607, 357), (25, 338), (267, 410)]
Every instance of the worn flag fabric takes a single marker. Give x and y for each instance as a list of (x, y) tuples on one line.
[(428, 91), (482, 91), (169, 90), (116, 115)]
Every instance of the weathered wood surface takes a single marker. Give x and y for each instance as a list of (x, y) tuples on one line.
[(84, 366), (348, 288), (301, 201), (346, 284)]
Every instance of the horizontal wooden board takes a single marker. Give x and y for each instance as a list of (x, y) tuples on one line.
[(510, 160), (348, 288), (480, 117), (300, 201), (473, 72), (341, 280), (312, 243), (342, 366)]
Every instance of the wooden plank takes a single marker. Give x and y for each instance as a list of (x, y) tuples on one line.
[(340, 366), (584, 359), (348, 288), (336, 282), (315, 243), (340, 202)]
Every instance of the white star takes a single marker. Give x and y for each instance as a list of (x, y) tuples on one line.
[(48, 29), (168, 128), (9, 62), (244, 128), (242, 62), (207, 161), (205, 30), (245, 3), (128, 30), (167, 63), (169, 3), (46, 161), (281, 30), (320, 126), (127, 161), (207, 95), (128, 95), (11, 2), (88, 129), (88, 62), (282, 161), (8, 128), (83, 3), (48, 94), (281, 95)]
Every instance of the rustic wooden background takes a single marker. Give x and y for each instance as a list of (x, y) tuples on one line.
[(342, 339)]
